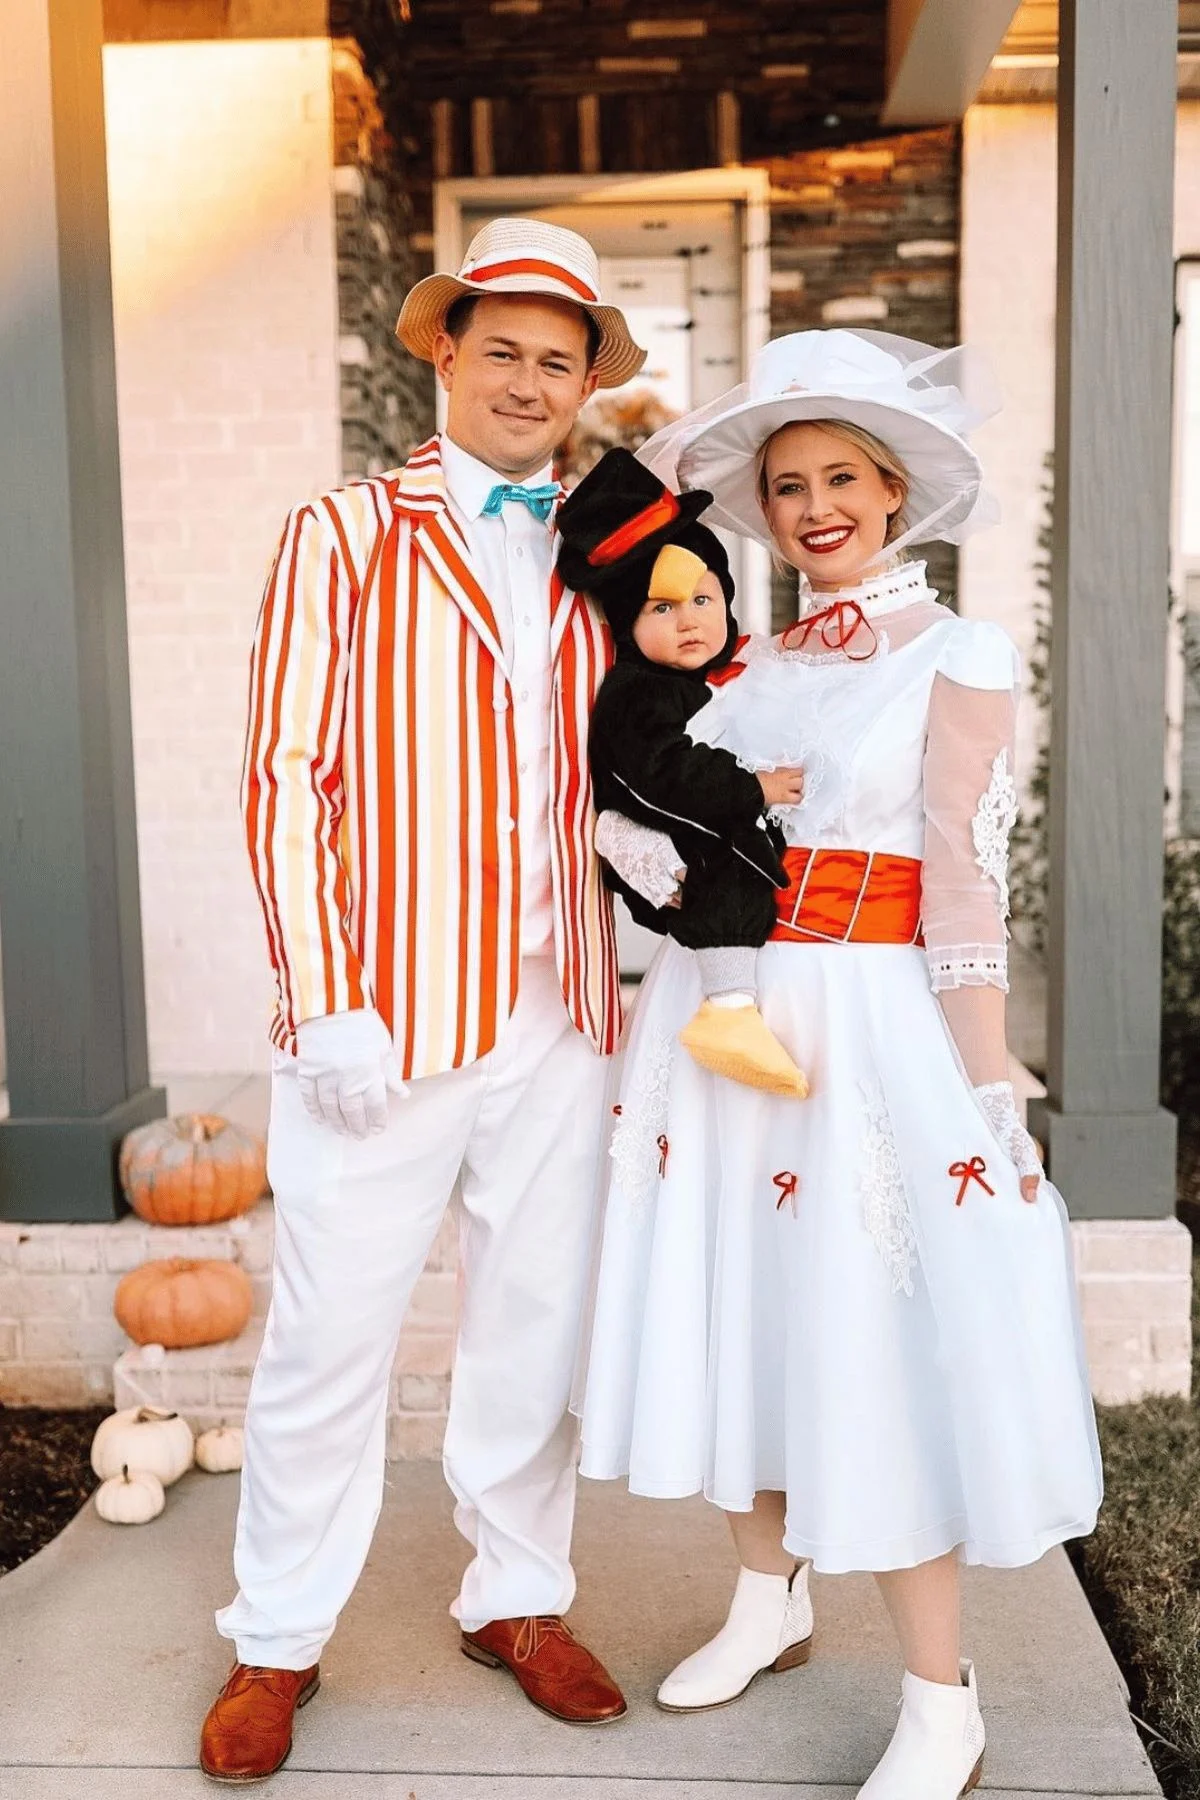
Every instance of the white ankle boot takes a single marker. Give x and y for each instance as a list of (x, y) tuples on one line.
[(936, 1752), (769, 1626)]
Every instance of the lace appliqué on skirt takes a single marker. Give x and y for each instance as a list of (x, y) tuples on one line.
[(635, 1146), (885, 1203), (994, 819)]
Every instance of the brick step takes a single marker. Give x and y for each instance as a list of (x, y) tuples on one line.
[(59, 1341), (209, 1385), (58, 1336)]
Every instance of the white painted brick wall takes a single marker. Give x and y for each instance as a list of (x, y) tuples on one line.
[(58, 1337), (1135, 1293), (225, 302), (1007, 309), (61, 1346), (1007, 301)]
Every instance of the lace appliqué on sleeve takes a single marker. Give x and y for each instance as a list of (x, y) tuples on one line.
[(640, 1131), (646, 860), (994, 819), (968, 965), (885, 1203)]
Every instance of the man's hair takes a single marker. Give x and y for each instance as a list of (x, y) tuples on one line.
[(463, 309)]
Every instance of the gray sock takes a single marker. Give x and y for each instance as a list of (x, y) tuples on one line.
[(729, 969)]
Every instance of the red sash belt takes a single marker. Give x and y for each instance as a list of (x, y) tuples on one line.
[(848, 897)]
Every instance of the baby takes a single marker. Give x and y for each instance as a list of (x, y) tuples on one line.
[(663, 582)]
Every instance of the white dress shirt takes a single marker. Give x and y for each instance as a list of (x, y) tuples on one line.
[(513, 556)]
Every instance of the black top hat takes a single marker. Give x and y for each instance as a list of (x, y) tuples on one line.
[(613, 526)]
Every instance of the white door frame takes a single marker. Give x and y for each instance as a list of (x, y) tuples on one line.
[(748, 188)]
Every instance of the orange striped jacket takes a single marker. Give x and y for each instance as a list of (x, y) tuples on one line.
[(379, 787)]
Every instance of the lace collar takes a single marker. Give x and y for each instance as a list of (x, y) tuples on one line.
[(902, 585)]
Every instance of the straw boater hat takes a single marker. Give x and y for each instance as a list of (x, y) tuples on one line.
[(908, 395), (524, 256)]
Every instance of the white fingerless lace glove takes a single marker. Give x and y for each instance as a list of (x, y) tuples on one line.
[(346, 1067), (646, 860), (1000, 1107)]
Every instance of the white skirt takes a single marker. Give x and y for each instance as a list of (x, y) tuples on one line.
[(802, 1296)]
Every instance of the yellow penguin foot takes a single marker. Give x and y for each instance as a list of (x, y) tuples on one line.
[(736, 1041)]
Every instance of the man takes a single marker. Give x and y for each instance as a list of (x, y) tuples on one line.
[(420, 823)]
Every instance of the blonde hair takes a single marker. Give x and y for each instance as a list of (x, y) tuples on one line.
[(886, 461)]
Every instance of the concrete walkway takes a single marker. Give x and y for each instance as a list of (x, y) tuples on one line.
[(108, 1661)]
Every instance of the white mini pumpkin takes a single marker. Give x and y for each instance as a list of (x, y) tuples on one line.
[(133, 1497), (139, 1437), (220, 1449)]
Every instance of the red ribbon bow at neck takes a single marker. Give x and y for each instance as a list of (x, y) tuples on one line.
[(837, 626)]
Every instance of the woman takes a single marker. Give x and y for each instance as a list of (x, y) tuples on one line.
[(851, 1322)]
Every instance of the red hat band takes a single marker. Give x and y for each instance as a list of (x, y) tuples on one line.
[(661, 512), (529, 265)]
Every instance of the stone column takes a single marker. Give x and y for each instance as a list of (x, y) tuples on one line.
[(73, 979), (1111, 1146)]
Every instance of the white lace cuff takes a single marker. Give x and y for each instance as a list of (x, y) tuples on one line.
[(968, 965), (646, 860)]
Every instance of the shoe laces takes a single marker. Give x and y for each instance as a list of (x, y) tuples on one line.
[(534, 1632), (269, 1676)]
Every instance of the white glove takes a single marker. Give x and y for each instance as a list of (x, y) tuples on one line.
[(345, 1067), (1000, 1108), (646, 860)]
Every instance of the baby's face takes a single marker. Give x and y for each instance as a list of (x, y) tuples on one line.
[(684, 634)]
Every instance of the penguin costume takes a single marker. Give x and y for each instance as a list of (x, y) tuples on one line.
[(636, 548)]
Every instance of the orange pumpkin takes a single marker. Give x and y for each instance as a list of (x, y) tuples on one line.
[(180, 1302), (196, 1169)]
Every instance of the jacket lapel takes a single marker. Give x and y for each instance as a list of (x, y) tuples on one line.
[(421, 495), (563, 601)]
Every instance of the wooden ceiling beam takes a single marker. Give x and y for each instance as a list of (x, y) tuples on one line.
[(938, 54)]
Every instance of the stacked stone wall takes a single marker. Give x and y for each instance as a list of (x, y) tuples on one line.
[(387, 396)]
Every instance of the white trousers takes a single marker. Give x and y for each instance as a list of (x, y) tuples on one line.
[(519, 1133)]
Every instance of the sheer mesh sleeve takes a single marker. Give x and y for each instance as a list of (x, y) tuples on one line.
[(970, 809)]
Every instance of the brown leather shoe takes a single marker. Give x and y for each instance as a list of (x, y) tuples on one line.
[(248, 1732), (551, 1666)]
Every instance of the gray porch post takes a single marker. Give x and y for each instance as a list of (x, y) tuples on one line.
[(73, 982), (1111, 1146)]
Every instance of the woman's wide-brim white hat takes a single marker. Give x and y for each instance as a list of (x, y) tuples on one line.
[(899, 391), (524, 256)]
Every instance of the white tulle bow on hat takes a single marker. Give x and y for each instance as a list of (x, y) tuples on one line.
[(918, 401)]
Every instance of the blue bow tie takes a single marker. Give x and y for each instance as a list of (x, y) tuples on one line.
[(539, 500)]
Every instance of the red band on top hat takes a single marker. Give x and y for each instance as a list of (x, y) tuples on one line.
[(652, 518), (529, 265)]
